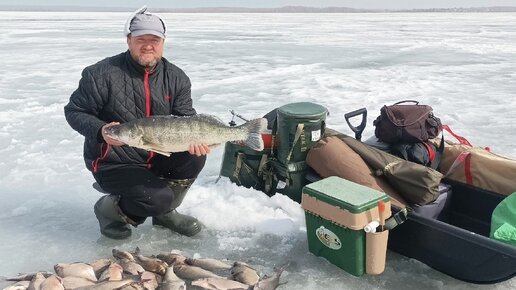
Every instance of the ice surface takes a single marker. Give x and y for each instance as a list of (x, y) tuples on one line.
[(461, 64)]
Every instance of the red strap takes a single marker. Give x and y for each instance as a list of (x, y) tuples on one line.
[(458, 160), (464, 157), (467, 170), (431, 152), (461, 139)]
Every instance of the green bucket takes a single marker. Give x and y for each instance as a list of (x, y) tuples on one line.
[(308, 121)]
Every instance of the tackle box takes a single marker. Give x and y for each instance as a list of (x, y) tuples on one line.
[(336, 212)]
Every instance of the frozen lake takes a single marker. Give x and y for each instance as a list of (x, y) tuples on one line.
[(461, 64)]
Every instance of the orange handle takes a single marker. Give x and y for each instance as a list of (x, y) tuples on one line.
[(381, 209)]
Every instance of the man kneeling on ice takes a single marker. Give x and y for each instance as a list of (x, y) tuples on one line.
[(136, 84)]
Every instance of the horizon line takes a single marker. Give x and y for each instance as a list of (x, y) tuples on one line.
[(241, 9)]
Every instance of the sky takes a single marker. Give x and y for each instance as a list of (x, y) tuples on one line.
[(371, 4)]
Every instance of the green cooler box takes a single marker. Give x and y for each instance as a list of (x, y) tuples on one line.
[(336, 212)]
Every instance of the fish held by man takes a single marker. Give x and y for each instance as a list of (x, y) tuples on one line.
[(167, 134)]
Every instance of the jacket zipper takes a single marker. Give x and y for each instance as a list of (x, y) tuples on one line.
[(147, 108)]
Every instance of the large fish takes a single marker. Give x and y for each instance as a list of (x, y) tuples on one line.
[(167, 134)]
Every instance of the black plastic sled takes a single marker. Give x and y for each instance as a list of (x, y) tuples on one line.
[(456, 240)]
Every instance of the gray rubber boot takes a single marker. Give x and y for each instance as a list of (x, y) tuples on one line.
[(113, 222), (179, 223)]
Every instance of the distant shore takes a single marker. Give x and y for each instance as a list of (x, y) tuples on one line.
[(286, 9)]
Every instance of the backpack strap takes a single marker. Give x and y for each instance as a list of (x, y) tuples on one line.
[(299, 133), (406, 101)]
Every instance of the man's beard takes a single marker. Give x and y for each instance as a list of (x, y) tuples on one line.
[(146, 62)]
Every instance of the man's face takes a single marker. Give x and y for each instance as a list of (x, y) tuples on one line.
[(146, 49)]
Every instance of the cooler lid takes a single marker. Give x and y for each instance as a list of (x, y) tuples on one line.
[(303, 110), (345, 194)]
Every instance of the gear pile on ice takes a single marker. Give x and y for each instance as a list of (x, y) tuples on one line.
[(167, 271)]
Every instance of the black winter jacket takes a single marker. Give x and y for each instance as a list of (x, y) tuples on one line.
[(118, 89)]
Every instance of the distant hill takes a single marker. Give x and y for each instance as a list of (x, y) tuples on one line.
[(286, 9)]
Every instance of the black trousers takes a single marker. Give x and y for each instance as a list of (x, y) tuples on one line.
[(143, 193)]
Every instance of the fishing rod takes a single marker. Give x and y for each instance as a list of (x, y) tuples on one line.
[(232, 123)]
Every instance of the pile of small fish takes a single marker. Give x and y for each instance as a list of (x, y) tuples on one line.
[(166, 271)]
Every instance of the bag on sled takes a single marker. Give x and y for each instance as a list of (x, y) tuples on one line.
[(477, 166), (503, 221), (409, 123), (247, 167), (417, 184), (332, 157), (424, 153)]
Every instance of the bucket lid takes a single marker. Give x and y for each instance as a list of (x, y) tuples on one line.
[(302, 110), (345, 194)]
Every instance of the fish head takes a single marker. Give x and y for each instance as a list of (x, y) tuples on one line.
[(128, 133)]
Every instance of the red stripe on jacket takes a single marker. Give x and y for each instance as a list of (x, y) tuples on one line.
[(147, 108), (103, 154)]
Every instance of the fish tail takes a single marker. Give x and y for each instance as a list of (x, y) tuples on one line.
[(255, 127)]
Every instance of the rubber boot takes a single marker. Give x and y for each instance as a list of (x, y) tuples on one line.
[(179, 223), (113, 222)]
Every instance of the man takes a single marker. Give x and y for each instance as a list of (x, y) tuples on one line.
[(136, 84)]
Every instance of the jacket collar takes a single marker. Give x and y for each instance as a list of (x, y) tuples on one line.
[(137, 67)]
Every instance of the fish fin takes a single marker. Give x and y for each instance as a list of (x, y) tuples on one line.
[(209, 118), (161, 152), (151, 147), (213, 146), (255, 127)]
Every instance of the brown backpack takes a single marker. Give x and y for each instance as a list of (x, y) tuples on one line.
[(406, 123)]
